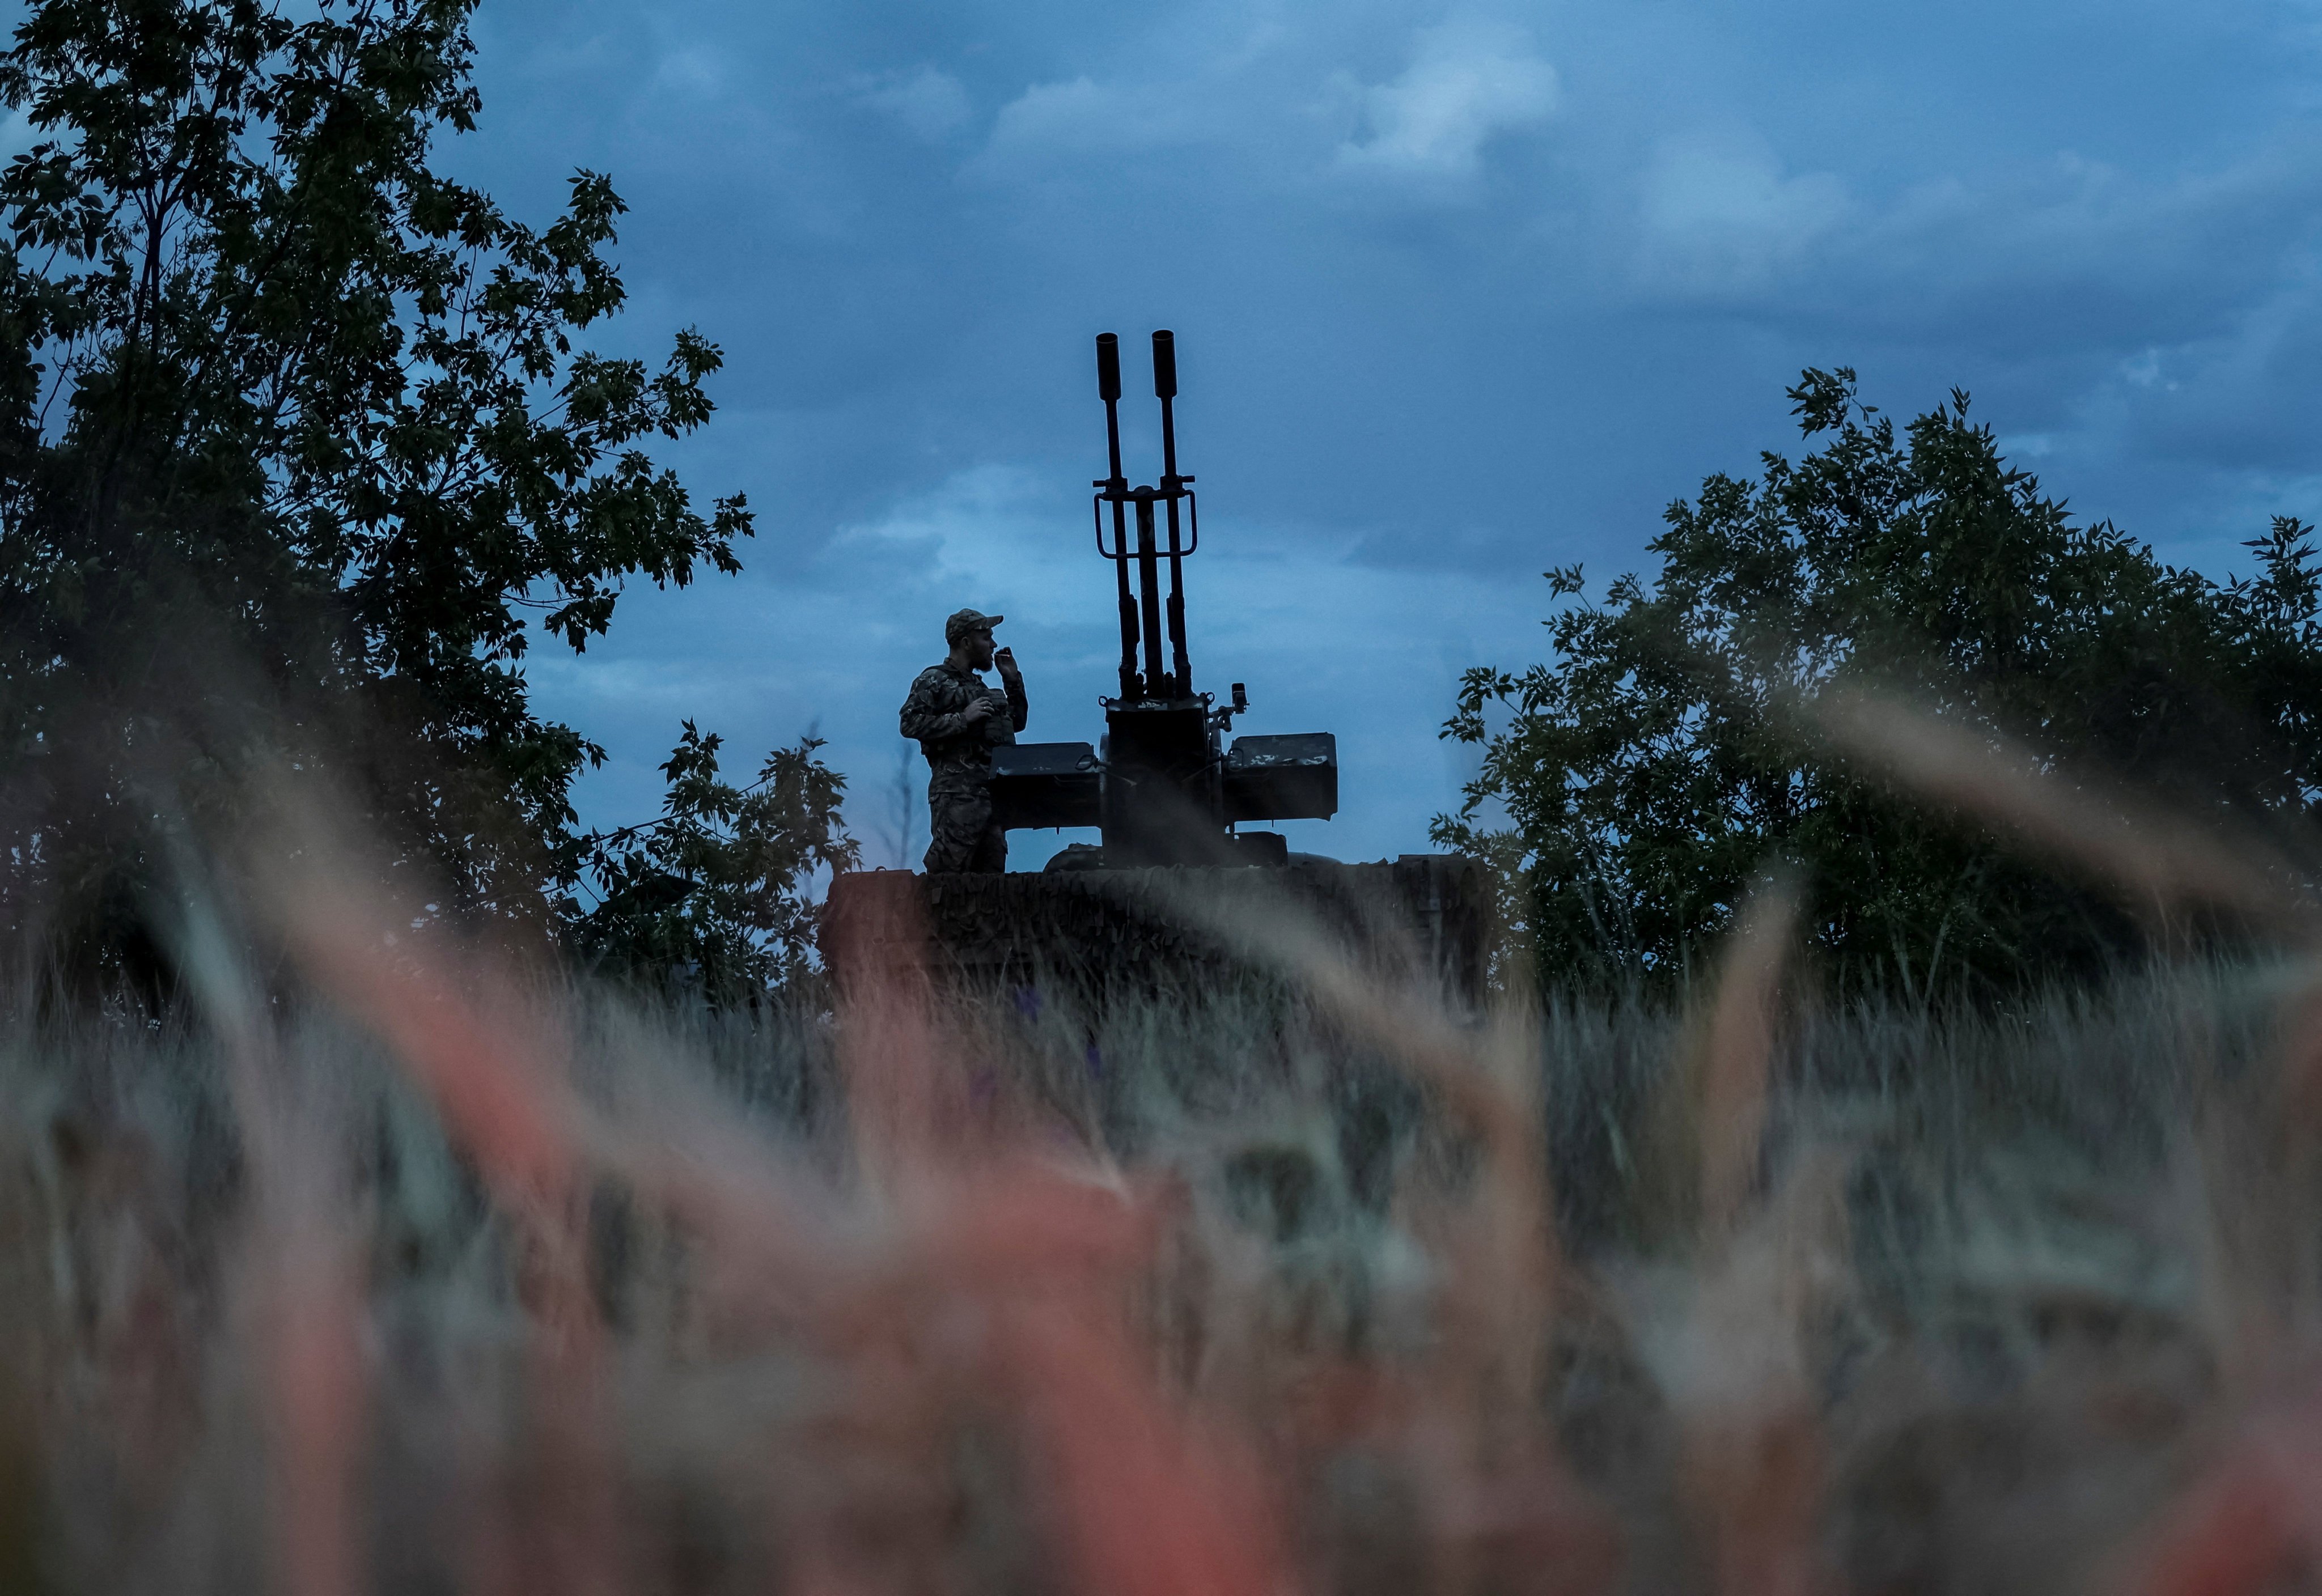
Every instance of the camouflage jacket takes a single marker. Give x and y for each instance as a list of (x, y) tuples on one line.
[(960, 754)]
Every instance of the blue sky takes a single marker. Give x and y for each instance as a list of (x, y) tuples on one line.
[(1460, 292)]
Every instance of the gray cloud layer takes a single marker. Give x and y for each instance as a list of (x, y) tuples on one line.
[(1461, 291)]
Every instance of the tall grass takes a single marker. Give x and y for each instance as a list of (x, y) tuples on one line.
[(433, 1280), (390, 1265)]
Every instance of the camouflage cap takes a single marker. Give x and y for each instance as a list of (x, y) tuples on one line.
[(965, 621)]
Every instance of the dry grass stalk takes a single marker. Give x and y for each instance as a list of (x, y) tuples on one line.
[(1189, 1297)]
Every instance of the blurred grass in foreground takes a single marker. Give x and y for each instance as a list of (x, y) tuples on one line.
[(444, 1280), (390, 1264)]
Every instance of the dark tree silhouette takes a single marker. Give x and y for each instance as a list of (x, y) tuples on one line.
[(297, 439), (1659, 762)]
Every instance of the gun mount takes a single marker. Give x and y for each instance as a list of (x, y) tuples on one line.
[(1164, 787), (1149, 912)]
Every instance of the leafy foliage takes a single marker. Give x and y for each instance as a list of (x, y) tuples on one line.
[(294, 433), (713, 896), (1656, 766)]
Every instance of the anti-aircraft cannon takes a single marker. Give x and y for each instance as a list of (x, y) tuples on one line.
[(1166, 787)]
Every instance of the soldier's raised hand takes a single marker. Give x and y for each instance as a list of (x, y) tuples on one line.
[(1006, 660)]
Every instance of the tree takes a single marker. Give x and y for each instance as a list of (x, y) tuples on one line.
[(295, 431), (1656, 766), (712, 896)]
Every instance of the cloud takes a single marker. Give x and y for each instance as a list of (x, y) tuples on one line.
[(1467, 83), (2114, 245), (2094, 273), (2109, 258), (692, 70), (995, 536), (1718, 216), (2241, 400), (931, 105), (1082, 116), (1270, 111)]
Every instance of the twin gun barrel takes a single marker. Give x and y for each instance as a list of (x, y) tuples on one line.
[(1165, 787)]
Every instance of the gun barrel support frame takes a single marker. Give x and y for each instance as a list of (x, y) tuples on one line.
[(1166, 790)]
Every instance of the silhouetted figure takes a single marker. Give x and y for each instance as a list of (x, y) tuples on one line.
[(957, 719)]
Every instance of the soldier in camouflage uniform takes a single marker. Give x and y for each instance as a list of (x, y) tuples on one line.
[(957, 719)]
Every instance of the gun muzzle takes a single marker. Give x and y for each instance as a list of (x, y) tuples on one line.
[(1164, 365), (1107, 367)]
